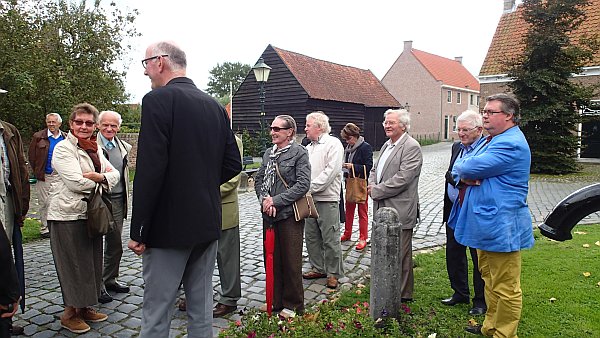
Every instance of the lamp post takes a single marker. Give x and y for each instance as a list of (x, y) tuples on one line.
[(261, 73)]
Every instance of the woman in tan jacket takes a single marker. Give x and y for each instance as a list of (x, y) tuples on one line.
[(80, 165)]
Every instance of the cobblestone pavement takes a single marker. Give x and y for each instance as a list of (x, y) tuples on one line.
[(44, 301)]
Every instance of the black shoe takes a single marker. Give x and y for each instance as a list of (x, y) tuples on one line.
[(453, 301), (476, 329), (116, 287), (45, 235), (476, 310), (406, 300), (16, 330), (104, 297)]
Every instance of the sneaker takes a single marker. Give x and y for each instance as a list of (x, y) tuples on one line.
[(74, 324), (90, 315)]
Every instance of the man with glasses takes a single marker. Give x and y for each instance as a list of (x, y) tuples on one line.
[(186, 150), (492, 215), (469, 128), (393, 182), (40, 159)]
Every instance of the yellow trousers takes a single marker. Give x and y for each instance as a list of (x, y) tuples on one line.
[(501, 272)]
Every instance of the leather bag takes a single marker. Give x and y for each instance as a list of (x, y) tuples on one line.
[(356, 187), (99, 212), (305, 206)]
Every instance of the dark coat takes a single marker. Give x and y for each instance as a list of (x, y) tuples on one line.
[(362, 156), (38, 153), (448, 179), (186, 150), (19, 175), (9, 284), (294, 167)]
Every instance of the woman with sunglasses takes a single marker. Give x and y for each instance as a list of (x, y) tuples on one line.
[(80, 165), (285, 161)]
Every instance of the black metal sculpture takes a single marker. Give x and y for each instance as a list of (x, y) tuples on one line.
[(568, 212)]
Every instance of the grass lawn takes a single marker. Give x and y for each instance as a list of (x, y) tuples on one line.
[(560, 299), (31, 230)]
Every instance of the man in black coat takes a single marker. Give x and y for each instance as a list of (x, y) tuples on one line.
[(469, 128), (186, 150), (9, 286)]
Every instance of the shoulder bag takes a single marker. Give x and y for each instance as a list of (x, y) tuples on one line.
[(99, 212), (305, 206), (356, 187)]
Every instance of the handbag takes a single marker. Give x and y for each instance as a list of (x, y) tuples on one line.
[(303, 207), (99, 212), (356, 187)]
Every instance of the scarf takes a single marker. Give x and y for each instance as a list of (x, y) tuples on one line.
[(270, 171), (91, 148), (351, 150)]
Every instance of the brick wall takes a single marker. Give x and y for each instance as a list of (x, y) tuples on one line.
[(131, 138)]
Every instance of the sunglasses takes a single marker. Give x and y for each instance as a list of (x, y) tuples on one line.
[(81, 122), (278, 129)]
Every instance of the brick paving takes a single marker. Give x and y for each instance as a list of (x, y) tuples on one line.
[(44, 300)]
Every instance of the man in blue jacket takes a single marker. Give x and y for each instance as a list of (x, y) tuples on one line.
[(491, 213)]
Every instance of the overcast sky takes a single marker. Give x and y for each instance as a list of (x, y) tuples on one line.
[(362, 34)]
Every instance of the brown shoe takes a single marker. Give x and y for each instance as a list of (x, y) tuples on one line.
[(74, 324), (332, 282), (313, 275), (90, 315), (221, 309), (182, 305)]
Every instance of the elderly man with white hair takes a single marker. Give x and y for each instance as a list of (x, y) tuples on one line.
[(393, 183), (116, 151), (40, 159), (326, 155)]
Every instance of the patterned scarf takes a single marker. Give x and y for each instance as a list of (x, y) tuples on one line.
[(270, 172)]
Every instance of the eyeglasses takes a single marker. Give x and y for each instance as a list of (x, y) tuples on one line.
[(389, 123), (465, 130), (490, 112), (145, 61), (278, 129), (81, 122)]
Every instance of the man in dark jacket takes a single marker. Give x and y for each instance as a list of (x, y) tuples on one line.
[(186, 150), (14, 193), (9, 286), (40, 159), (469, 128)]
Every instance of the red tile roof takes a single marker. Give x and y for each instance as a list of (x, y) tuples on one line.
[(330, 81), (508, 42), (449, 72)]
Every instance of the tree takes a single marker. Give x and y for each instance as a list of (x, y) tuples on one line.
[(222, 75), (56, 54), (550, 100)]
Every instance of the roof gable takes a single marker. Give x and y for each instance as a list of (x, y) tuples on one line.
[(509, 40), (330, 81), (449, 72)]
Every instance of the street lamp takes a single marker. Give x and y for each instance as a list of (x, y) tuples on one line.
[(261, 73)]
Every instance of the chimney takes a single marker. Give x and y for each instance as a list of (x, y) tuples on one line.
[(509, 6), (407, 46), (458, 59)]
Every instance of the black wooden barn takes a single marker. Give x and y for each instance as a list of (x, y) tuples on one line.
[(299, 85)]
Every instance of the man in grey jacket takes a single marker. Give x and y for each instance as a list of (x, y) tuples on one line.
[(393, 182), (326, 155)]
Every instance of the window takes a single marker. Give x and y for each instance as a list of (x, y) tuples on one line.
[(458, 97), (449, 96), (472, 99)]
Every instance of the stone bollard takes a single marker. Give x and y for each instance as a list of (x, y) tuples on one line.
[(386, 265)]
